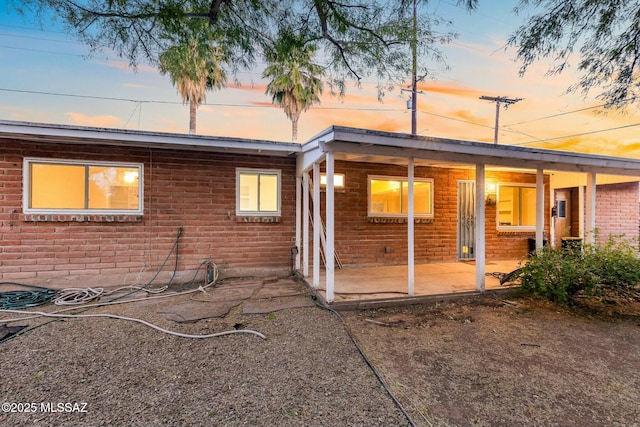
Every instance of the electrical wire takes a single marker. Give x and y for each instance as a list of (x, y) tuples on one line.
[(384, 384), (144, 322)]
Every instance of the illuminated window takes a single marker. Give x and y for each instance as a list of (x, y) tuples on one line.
[(257, 192), (389, 196), (66, 186), (338, 180), (516, 206)]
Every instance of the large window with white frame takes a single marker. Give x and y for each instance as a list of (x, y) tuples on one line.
[(258, 192), (72, 186), (389, 196), (516, 206)]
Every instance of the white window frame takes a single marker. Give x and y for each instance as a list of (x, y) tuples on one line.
[(402, 180), (259, 172), (26, 187), (511, 227)]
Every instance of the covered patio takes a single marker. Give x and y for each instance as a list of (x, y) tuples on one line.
[(371, 286), (446, 272)]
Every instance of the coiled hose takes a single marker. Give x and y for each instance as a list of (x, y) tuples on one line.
[(31, 297)]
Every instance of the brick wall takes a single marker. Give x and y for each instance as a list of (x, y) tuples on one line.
[(360, 241), (192, 190), (617, 211)]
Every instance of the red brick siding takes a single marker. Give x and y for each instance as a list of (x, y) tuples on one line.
[(617, 211), (192, 190), (359, 241)]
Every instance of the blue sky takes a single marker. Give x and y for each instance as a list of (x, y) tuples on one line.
[(39, 65)]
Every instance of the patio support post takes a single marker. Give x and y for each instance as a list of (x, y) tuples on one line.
[(305, 224), (410, 229), (480, 222), (581, 212), (329, 256), (540, 208), (316, 225), (298, 219), (590, 209)]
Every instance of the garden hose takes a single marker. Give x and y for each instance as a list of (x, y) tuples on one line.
[(32, 297)]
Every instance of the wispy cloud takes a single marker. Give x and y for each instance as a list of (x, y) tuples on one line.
[(124, 65), (449, 89), (96, 121)]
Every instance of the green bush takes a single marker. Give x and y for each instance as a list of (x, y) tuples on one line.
[(558, 274)]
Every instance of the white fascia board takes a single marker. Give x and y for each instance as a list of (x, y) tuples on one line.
[(38, 132), (313, 151), (306, 160), (357, 141)]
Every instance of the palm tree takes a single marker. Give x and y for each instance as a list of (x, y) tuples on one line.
[(295, 82), (194, 67)]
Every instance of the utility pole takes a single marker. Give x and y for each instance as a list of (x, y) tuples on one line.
[(414, 71), (500, 100)]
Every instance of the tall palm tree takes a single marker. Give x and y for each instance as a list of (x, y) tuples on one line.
[(295, 82), (194, 67)]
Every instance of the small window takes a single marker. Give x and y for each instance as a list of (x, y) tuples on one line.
[(257, 192), (389, 196), (562, 208), (338, 180), (67, 186), (517, 206)]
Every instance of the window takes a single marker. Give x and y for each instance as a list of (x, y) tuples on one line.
[(389, 196), (257, 192), (562, 208), (517, 206), (338, 180), (67, 186)]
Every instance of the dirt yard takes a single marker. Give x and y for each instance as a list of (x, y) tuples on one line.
[(518, 362), (483, 362)]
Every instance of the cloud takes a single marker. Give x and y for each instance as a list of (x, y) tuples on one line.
[(134, 86), (97, 121), (264, 104), (123, 65), (449, 89), (251, 87), (467, 116)]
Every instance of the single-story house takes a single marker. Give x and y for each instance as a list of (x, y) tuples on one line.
[(88, 206)]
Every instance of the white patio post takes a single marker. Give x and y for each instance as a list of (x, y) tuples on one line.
[(329, 256), (316, 225), (298, 225), (480, 220), (540, 208), (305, 224), (410, 229), (590, 209)]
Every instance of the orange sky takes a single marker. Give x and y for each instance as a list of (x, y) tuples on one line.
[(103, 91)]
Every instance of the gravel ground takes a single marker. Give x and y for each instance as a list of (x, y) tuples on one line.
[(479, 362), (115, 373)]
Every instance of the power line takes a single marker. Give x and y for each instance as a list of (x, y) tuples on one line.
[(42, 51), (215, 104), (580, 134), (557, 115), (140, 102)]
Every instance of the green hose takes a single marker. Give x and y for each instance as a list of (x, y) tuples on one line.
[(18, 300)]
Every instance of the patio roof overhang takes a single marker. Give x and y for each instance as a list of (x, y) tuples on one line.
[(374, 146)]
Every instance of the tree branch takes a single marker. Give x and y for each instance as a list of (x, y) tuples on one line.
[(325, 34)]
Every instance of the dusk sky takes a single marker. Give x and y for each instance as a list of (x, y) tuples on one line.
[(46, 76)]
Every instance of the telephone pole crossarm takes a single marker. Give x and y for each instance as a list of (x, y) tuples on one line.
[(499, 100)]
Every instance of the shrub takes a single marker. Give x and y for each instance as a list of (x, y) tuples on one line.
[(558, 274)]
